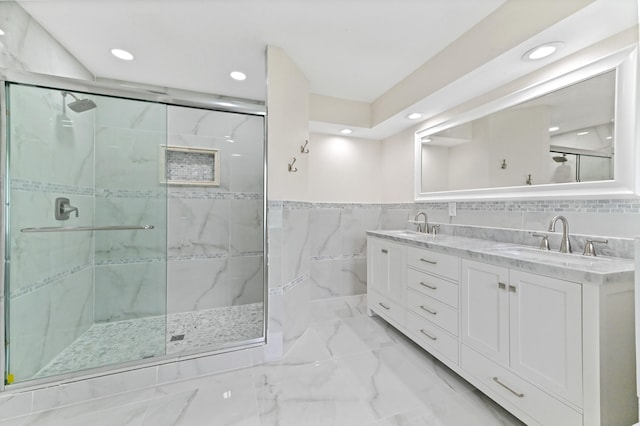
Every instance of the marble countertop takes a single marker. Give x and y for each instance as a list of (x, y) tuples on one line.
[(572, 267)]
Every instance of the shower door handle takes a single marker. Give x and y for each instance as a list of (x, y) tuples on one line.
[(90, 228)]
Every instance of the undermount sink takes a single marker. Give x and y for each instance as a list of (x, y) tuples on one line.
[(552, 257), (406, 233)]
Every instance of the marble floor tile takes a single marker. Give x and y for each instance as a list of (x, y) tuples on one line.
[(471, 408), (338, 308), (355, 371), (320, 393)]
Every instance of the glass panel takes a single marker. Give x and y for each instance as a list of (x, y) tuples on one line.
[(80, 300), (215, 244), (595, 168)]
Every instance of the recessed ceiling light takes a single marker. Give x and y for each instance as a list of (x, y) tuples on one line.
[(122, 54), (1, 33), (346, 131), (414, 116), (554, 128), (582, 133), (542, 51), (609, 138), (237, 75)]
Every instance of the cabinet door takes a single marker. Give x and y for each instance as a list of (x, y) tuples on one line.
[(386, 268), (376, 265), (485, 309), (546, 333), (397, 272)]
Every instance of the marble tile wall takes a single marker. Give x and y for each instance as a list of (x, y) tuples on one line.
[(130, 266), (51, 281), (215, 233), (27, 46)]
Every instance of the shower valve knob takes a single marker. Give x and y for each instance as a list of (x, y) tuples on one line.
[(64, 209)]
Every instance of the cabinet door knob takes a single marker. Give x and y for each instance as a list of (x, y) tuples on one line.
[(518, 394), (428, 335)]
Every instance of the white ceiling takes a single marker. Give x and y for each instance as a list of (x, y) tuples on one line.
[(351, 49)]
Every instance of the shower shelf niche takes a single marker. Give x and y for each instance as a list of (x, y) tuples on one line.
[(181, 165)]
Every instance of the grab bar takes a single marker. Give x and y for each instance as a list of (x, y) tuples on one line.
[(89, 228)]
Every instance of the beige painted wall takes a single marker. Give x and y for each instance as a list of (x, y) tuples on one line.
[(397, 166), (344, 170), (287, 127)]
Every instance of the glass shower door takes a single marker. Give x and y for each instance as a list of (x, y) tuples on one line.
[(85, 254)]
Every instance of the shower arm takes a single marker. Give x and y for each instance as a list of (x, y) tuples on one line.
[(70, 94)]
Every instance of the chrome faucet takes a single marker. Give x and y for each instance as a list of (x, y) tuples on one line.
[(424, 228), (565, 244)]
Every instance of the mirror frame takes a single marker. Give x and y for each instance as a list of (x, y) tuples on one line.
[(626, 179)]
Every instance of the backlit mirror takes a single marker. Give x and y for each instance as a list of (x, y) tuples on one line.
[(562, 137)]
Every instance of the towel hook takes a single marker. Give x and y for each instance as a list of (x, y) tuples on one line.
[(303, 148), (291, 168)]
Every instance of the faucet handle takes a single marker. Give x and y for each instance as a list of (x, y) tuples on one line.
[(589, 249), (435, 229), (544, 242)]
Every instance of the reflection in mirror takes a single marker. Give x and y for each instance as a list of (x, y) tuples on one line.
[(564, 136)]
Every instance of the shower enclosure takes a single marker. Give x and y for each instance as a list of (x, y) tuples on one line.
[(134, 229)]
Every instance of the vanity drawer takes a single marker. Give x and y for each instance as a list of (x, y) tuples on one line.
[(528, 398), (385, 307), (430, 336), (444, 291), (436, 312), (445, 265)]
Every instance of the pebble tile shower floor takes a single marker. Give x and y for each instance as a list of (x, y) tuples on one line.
[(129, 340), (351, 371)]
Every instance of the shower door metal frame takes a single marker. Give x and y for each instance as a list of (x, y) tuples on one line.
[(133, 91)]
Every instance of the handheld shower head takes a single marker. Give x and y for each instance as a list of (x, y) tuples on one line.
[(79, 105)]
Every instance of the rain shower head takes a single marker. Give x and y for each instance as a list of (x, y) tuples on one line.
[(560, 159), (79, 105)]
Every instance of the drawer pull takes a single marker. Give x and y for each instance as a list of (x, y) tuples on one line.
[(502, 286), (428, 335), (432, 287), (512, 288), (518, 394), (384, 306), (424, 308), (430, 262), (385, 251)]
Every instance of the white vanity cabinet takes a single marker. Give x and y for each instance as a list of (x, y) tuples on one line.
[(386, 279), (530, 328), (554, 347)]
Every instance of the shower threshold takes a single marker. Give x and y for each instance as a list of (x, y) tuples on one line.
[(116, 342)]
